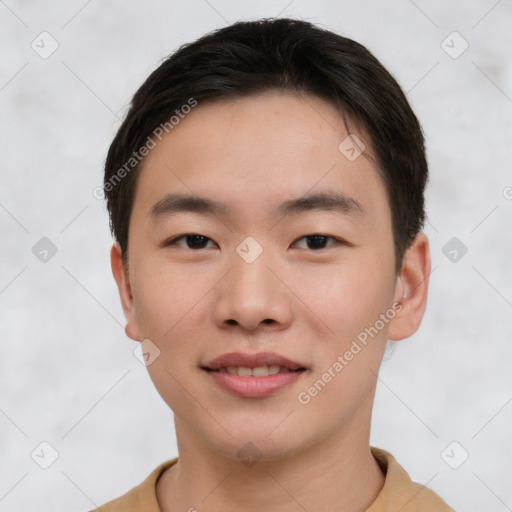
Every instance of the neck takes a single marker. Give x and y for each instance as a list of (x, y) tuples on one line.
[(338, 474)]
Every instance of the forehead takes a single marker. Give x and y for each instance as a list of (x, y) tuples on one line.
[(254, 153)]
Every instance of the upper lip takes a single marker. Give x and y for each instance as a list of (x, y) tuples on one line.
[(252, 361)]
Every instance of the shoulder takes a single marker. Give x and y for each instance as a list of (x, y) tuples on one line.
[(400, 492), (140, 498)]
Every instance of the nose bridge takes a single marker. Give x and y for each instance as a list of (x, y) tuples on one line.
[(251, 293), (250, 273), (251, 279)]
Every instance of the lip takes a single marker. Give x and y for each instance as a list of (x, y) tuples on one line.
[(252, 361), (253, 387)]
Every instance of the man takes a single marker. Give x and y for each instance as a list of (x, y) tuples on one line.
[(266, 194)]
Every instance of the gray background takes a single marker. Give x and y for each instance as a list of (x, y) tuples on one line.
[(68, 375)]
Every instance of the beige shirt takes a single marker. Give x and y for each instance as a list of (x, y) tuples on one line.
[(399, 492)]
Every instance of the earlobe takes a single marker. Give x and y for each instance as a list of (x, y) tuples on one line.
[(122, 279), (412, 289)]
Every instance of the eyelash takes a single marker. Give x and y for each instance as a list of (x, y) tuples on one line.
[(173, 241)]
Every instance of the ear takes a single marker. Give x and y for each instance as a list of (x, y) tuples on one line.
[(122, 278), (411, 289)]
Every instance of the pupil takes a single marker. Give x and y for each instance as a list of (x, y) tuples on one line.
[(196, 241), (318, 241)]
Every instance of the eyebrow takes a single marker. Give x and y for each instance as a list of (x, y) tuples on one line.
[(328, 200)]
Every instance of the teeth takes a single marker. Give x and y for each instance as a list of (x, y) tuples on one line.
[(244, 372), (259, 371)]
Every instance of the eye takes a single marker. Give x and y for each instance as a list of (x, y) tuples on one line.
[(317, 241), (314, 242), (192, 241)]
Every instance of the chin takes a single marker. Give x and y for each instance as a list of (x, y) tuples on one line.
[(256, 445)]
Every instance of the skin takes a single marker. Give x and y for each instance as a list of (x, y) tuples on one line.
[(304, 303)]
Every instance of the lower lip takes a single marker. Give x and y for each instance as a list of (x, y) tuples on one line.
[(254, 387)]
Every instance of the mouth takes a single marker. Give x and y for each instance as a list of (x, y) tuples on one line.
[(253, 365), (258, 371), (254, 375)]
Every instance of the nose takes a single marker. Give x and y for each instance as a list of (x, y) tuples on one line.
[(252, 296)]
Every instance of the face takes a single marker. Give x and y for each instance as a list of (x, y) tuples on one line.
[(266, 271)]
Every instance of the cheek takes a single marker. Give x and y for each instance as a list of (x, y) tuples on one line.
[(164, 294), (171, 305), (151, 306), (349, 301), (347, 297), (165, 314)]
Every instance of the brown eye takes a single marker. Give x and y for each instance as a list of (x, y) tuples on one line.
[(192, 241), (317, 242)]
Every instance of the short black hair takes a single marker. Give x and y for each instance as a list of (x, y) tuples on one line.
[(251, 57)]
